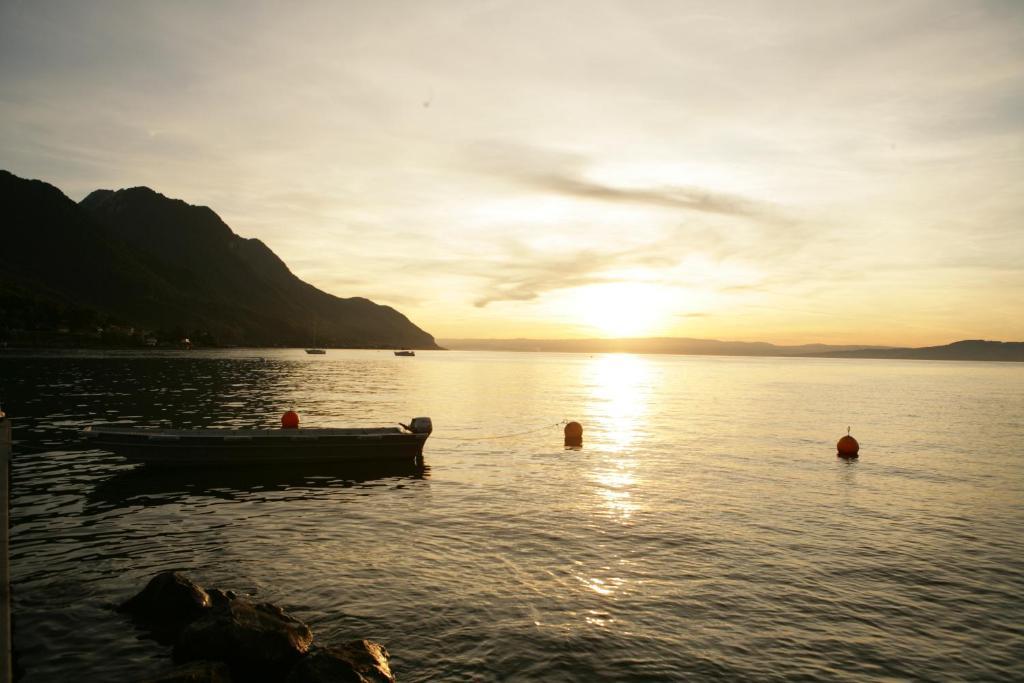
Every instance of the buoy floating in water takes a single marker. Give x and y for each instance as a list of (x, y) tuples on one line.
[(847, 447), (290, 420), (574, 435)]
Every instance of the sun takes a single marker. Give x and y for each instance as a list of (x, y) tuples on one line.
[(623, 309)]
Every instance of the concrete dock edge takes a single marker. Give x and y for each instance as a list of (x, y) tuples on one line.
[(6, 671)]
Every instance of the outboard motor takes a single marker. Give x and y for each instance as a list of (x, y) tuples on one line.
[(421, 425)]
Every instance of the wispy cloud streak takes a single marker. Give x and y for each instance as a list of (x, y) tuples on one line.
[(565, 174), (531, 274)]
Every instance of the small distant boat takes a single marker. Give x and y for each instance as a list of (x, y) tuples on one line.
[(249, 447), (315, 351), (405, 353)]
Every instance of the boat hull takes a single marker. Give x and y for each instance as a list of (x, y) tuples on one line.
[(249, 447)]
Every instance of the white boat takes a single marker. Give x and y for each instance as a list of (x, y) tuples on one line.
[(214, 446)]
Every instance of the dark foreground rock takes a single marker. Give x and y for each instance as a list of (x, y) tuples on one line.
[(195, 672), (359, 661), (169, 595), (223, 638), (167, 604), (257, 640)]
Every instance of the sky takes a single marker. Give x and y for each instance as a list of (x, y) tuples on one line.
[(790, 172)]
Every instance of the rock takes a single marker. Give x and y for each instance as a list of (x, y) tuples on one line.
[(219, 597), (195, 672), (358, 661), (224, 638), (259, 641), (169, 599)]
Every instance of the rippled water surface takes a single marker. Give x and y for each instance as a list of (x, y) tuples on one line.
[(706, 528)]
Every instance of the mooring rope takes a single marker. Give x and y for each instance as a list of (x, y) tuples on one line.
[(499, 436)]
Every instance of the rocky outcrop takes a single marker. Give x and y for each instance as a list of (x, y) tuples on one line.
[(167, 604), (359, 661), (222, 637), (255, 639), (169, 595)]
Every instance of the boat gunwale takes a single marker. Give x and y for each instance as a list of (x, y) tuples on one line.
[(241, 434)]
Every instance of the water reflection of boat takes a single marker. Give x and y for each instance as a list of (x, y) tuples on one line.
[(250, 447), (149, 486)]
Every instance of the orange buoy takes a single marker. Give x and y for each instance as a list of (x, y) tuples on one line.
[(574, 435), (290, 420), (847, 447)]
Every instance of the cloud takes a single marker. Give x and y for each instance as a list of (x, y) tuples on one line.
[(717, 225), (689, 198), (742, 234), (530, 275), (525, 279), (564, 173)]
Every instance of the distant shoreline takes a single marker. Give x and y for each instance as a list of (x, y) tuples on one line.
[(158, 349), (965, 350), (968, 350)]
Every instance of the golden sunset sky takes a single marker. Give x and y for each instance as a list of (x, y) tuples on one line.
[(844, 172)]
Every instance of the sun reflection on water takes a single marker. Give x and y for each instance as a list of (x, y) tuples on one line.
[(619, 389), (605, 587), (614, 486), (598, 586), (599, 619)]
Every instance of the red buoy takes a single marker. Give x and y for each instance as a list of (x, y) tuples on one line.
[(574, 435), (847, 447), (290, 420)]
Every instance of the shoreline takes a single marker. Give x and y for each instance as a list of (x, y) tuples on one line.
[(14, 351)]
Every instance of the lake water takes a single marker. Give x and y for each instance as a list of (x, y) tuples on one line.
[(705, 530)]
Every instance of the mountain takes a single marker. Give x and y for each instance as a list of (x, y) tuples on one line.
[(961, 350), (968, 349), (137, 259), (670, 345)]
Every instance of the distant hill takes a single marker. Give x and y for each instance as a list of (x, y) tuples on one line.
[(676, 345), (968, 349), (963, 350), (134, 259)]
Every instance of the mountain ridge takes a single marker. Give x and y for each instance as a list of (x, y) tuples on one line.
[(976, 349), (134, 258)]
